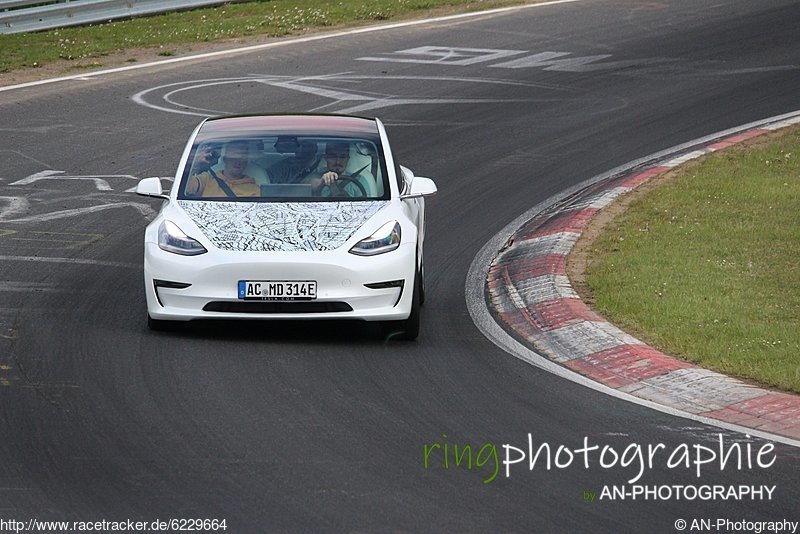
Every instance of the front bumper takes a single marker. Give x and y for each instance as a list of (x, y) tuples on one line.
[(341, 284)]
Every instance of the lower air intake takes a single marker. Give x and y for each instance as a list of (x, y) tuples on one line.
[(277, 307)]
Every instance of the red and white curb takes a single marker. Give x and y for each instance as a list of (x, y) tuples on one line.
[(531, 297)]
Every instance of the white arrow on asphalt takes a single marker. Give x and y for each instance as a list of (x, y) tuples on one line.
[(144, 209), (98, 179)]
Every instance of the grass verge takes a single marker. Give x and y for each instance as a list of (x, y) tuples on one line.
[(271, 18), (707, 264)]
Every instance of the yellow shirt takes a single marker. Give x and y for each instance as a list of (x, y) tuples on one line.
[(241, 187)]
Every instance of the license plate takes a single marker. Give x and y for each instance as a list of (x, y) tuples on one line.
[(277, 290)]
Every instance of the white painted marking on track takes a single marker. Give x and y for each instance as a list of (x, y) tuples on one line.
[(287, 42), (318, 91), (444, 55), (313, 85), (550, 61), (14, 206), (75, 261), (25, 287), (23, 155), (144, 209), (99, 180)]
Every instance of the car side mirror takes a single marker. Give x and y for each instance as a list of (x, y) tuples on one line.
[(421, 187), (151, 187)]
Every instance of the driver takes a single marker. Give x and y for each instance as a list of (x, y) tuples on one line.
[(337, 156)]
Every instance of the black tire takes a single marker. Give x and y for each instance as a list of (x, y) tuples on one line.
[(421, 275), (159, 325), (408, 330)]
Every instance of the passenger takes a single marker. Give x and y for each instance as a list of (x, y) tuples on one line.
[(231, 181), (206, 157), (295, 169), (337, 156)]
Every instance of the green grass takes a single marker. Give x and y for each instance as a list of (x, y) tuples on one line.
[(707, 265), (271, 18)]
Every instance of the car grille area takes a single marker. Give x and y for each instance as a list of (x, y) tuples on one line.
[(277, 307)]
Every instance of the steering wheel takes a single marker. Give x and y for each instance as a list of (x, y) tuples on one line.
[(337, 188)]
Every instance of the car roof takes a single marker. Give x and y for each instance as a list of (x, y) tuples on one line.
[(301, 124)]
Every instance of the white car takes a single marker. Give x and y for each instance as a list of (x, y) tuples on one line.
[(288, 217)]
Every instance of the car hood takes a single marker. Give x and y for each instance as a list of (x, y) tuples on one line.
[(272, 226)]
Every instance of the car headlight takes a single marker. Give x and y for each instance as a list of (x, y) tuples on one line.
[(385, 239), (172, 239)]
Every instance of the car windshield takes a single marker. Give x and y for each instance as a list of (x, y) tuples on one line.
[(285, 168)]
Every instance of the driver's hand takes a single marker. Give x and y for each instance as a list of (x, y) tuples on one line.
[(329, 177), (326, 179)]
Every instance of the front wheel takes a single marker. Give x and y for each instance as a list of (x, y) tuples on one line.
[(408, 329)]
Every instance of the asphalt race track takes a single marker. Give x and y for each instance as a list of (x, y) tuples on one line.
[(321, 427)]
